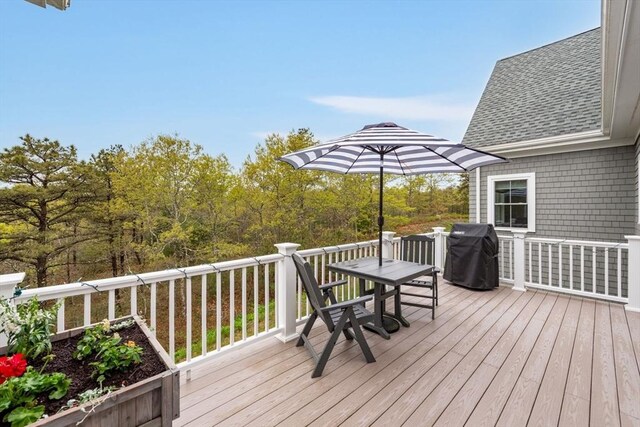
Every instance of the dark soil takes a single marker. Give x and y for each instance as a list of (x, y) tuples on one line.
[(79, 372)]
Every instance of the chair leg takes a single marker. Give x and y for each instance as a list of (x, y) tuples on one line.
[(307, 328), (328, 348), (347, 334), (435, 286), (362, 341)]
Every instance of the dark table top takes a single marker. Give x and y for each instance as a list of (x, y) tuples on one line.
[(393, 272)]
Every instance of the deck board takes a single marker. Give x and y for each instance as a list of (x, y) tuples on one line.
[(627, 373), (489, 408), (518, 408), (489, 357), (548, 404), (604, 393)]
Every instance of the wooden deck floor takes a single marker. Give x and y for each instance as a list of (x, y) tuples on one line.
[(489, 358)]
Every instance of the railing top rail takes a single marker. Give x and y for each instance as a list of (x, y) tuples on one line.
[(337, 248), (610, 245), (112, 283), (430, 234), (505, 237)]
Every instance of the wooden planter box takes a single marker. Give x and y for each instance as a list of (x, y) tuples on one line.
[(149, 403)]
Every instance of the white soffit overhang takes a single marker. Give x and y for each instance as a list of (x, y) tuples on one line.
[(621, 68), (589, 140)]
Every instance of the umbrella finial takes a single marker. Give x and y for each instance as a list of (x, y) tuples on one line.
[(383, 125)]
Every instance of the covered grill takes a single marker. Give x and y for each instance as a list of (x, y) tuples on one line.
[(472, 256)]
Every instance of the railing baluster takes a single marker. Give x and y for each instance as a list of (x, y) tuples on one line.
[(134, 299), (112, 304), (256, 319), (218, 310), (244, 303), (582, 268), (87, 310), (512, 276), (606, 271), (60, 321), (266, 297), (276, 273), (172, 315), (530, 264), (203, 314), (540, 263), (189, 314), (154, 317), (550, 254), (232, 310), (571, 267), (593, 269), (354, 281), (559, 265), (620, 272), (502, 256)]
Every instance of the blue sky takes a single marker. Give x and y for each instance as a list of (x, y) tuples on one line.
[(226, 74)]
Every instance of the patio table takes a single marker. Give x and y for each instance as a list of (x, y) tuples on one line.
[(393, 273)]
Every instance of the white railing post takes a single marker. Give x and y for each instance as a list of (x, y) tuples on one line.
[(8, 283), (519, 261), (286, 292), (439, 246), (387, 244), (633, 262)]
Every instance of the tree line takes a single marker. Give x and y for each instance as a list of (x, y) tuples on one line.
[(166, 203)]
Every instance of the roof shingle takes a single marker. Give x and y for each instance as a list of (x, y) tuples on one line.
[(549, 91)]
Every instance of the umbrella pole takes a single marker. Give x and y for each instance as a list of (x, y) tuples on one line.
[(380, 217)]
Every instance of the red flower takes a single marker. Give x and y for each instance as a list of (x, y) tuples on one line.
[(13, 366)]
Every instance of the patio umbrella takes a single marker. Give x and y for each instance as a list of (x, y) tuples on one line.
[(387, 147)]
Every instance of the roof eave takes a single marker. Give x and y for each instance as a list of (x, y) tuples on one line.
[(588, 140)]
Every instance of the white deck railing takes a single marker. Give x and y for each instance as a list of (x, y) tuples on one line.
[(202, 311), (585, 268)]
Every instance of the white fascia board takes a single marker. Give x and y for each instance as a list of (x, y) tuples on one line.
[(582, 141)]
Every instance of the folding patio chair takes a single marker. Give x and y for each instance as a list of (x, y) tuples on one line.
[(421, 249), (344, 317)]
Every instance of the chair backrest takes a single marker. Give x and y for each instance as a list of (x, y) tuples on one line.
[(418, 248), (310, 286)]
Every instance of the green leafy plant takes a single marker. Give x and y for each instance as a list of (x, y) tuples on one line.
[(110, 354), (18, 395), (114, 356), (28, 327), (91, 340)]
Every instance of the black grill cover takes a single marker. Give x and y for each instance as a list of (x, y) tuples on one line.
[(472, 256)]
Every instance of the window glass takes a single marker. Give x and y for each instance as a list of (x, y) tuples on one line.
[(519, 216), (502, 192), (502, 215), (510, 204), (519, 191)]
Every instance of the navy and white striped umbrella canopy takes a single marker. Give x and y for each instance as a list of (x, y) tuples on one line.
[(387, 147), (402, 151)]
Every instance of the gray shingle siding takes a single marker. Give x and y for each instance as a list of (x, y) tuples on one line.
[(585, 195), (550, 91)]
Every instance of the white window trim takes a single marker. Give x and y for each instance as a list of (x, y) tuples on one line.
[(531, 199)]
